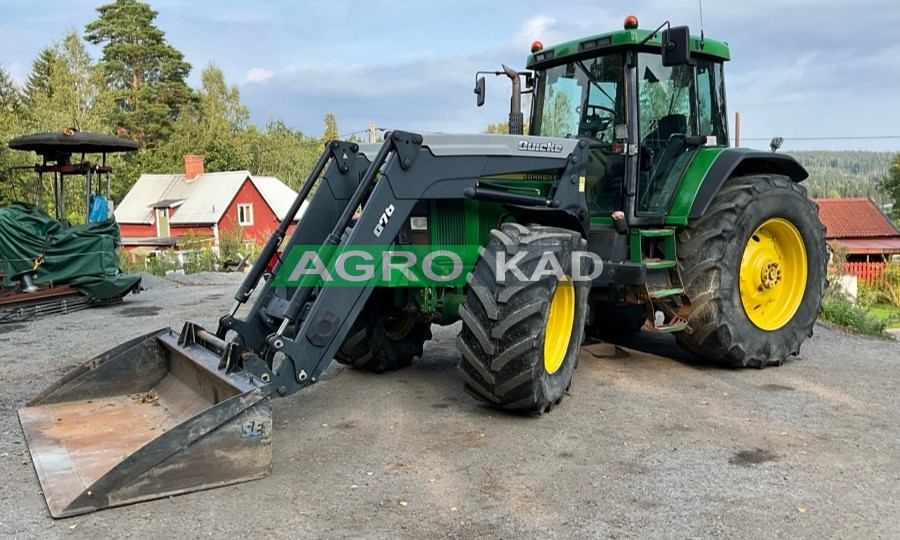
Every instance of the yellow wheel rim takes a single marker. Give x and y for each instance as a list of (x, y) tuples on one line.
[(559, 325), (773, 274)]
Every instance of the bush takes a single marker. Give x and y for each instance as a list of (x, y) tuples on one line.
[(839, 309), (233, 246), (127, 265), (162, 262), (199, 260), (198, 254), (868, 295), (889, 286)]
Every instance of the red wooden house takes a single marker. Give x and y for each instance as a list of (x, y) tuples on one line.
[(861, 227), (161, 209)]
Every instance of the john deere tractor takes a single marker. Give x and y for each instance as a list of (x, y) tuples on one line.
[(622, 208)]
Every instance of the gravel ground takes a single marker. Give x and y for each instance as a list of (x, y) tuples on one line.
[(652, 442)]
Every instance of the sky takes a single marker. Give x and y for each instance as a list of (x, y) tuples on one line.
[(823, 74)]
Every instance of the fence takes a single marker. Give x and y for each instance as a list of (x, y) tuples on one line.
[(867, 272)]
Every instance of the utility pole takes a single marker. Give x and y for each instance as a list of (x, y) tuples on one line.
[(372, 132)]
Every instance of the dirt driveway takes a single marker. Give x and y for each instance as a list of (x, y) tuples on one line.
[(648, 444)]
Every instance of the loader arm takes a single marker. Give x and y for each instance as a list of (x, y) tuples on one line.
[(408, 168), (341, 167)]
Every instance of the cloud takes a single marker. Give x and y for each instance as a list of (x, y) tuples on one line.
[(257, 75), (540, 25), (426, 93)]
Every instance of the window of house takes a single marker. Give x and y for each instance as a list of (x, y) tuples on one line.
[(245, 214)]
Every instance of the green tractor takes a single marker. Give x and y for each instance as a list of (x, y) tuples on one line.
[(622, 208), (719, 246)]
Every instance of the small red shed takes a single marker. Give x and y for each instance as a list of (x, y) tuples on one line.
[(860, 226)]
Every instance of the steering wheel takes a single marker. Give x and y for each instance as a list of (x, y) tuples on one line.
[(602, 108), (594, 123)]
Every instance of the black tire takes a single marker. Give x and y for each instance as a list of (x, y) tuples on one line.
[(379, 342), (503, 334), (614, 321), (711, 250)]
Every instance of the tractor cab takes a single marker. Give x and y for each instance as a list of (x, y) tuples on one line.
[(646, 100)]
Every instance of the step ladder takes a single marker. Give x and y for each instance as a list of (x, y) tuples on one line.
[(663, 290)]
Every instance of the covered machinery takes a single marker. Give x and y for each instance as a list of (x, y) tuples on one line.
[(48, 264)]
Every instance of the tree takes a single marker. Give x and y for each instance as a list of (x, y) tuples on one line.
[(331, 132), (64, 89), (146, 74), (10, 114), (890, 185), (331, 128), (284, 153), (214, 125), (558, 120), (502, 128), (39, 80)]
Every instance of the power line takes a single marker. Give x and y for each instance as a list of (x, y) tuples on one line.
[(313, 141), (835, 138)]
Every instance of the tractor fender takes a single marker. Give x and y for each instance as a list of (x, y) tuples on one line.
[(711, 167), (562, 218)]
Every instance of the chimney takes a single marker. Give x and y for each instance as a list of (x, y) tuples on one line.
[(193, 165)]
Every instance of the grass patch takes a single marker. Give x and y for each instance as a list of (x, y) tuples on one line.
[(887, 313), (840, 310)]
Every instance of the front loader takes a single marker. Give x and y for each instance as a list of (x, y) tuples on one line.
[(626, 161)]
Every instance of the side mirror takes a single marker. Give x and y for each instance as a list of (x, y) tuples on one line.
[(479, 91), (776, 143), (676, 46)]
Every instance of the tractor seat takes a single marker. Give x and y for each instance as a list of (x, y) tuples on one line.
[(665, 128)]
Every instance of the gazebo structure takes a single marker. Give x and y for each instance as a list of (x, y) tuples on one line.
[(57, 149)]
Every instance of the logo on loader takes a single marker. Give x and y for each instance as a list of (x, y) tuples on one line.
[(383, 220), (547, 147), (252, 429)]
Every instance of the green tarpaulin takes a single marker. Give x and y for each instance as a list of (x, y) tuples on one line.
[(83, 256)]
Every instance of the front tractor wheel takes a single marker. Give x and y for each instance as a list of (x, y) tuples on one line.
[(754, 268), (520, 338), (380, 341)]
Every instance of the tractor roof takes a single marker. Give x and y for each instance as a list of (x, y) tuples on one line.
[(621, 39)]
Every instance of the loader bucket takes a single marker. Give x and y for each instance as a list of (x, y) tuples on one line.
[(150, 418)]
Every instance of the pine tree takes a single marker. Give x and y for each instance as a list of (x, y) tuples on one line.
[(38, 82), (145, 73)]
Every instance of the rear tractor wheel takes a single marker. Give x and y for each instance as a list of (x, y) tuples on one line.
[(754, 269), (520, 338)]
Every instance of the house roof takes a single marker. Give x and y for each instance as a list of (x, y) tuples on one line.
[(167, 203), (870, 246), (278, 195), (205, 199), (854, 218)]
